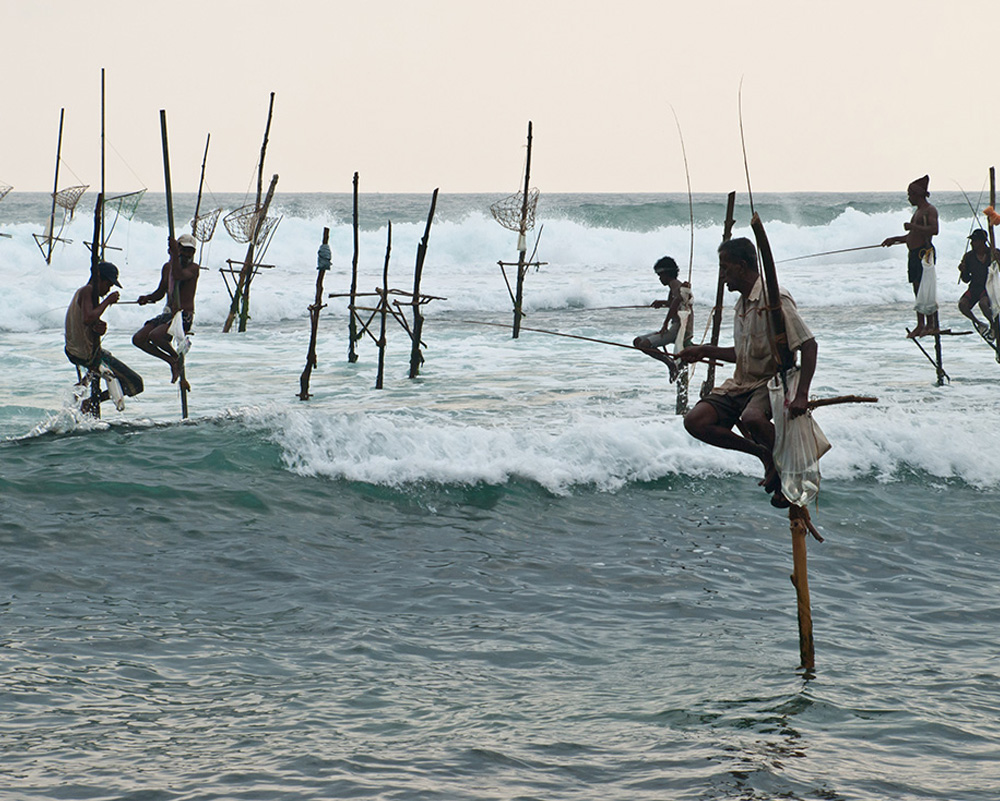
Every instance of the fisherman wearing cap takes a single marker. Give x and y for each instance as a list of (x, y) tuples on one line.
[(974, 270), (178, 282), (84, 328), (921, 228)]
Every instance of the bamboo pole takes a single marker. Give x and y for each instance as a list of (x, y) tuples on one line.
[(384, 308), (201, 184), (522, 243), (102, 159), (175, 305), (352, 325), (995, 322), (720, 294), (416, 357), (240, 303), (55, 190), (94, 406), (322, 265)]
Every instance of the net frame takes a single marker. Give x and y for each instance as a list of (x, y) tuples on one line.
[(242, 222), (4, 189), (68, 198), (508, 210), (124, 205), (203, 226)]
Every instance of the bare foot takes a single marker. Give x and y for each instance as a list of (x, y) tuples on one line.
[(771, 482), (185, 385), (175, 371), (779, 501)]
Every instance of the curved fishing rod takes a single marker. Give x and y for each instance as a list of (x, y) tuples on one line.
[(743, 143), (687, 175)]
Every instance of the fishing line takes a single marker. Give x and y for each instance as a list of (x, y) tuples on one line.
[(687, 175)]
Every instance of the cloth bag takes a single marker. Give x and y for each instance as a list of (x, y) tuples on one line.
[(926, 302), (798, 444)]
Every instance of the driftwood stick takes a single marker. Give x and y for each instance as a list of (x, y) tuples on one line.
[(323, 264), (416, 357), (815, 404)]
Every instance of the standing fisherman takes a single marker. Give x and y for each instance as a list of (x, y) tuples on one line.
[(84, 329), (743, 400), (921, 228), (178, 283)]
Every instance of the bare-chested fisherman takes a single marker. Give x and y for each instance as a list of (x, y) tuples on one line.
[(921, 228), (654, 344), (178, 283)]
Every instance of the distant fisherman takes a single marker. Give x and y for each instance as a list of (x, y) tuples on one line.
[(84, 329), (974, 270), (743, 400), (921, 228), (679, 297), (178, 283)]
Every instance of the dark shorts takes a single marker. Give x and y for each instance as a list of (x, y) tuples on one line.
[(730, 408), (130, 380), (973, 296), (915, 267), (166, 317)]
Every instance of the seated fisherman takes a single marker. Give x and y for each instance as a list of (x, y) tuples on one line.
[(743, 399), (974, 270), (84, 328), (678, 299)]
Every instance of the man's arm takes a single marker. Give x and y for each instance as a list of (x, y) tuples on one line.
[(157, 293), (807, 368), (92, 314), (696, 353)]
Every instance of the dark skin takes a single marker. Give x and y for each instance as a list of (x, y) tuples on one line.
[(921, 228), (702, 422), (91, 313), (154, 339)]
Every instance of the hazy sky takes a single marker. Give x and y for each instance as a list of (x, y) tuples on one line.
[(417, 94)]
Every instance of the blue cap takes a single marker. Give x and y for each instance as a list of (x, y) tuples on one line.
[(108, 272)]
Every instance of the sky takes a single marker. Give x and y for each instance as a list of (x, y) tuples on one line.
[(422, 94)]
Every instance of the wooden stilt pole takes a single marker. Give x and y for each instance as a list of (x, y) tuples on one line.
[(798, 518), (352, 325), (522, 243), (720, 293), (93, 406), (384, 308), (182, 381), (416, 357), (939, 364), (322, 265)]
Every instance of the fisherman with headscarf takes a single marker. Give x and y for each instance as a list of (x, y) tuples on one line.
[(921, 228)]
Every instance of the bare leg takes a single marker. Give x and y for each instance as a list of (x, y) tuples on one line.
[(702, 423)]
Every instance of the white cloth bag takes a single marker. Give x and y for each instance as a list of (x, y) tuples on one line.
[(798, 444)]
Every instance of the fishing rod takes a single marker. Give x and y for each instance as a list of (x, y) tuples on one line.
[(687, 175), (828, 253), (555, 334)]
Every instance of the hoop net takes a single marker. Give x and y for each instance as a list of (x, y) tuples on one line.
[(203, 226), (69, 197), (124, 205), (243, 222), (508, 211), (4, 189)]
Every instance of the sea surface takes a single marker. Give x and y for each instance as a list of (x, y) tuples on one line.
[(515, 576)]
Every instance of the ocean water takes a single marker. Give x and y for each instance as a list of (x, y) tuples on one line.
[(516, 576)]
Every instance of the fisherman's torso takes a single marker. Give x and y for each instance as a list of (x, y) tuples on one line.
[(755, 361), (81, 340)]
